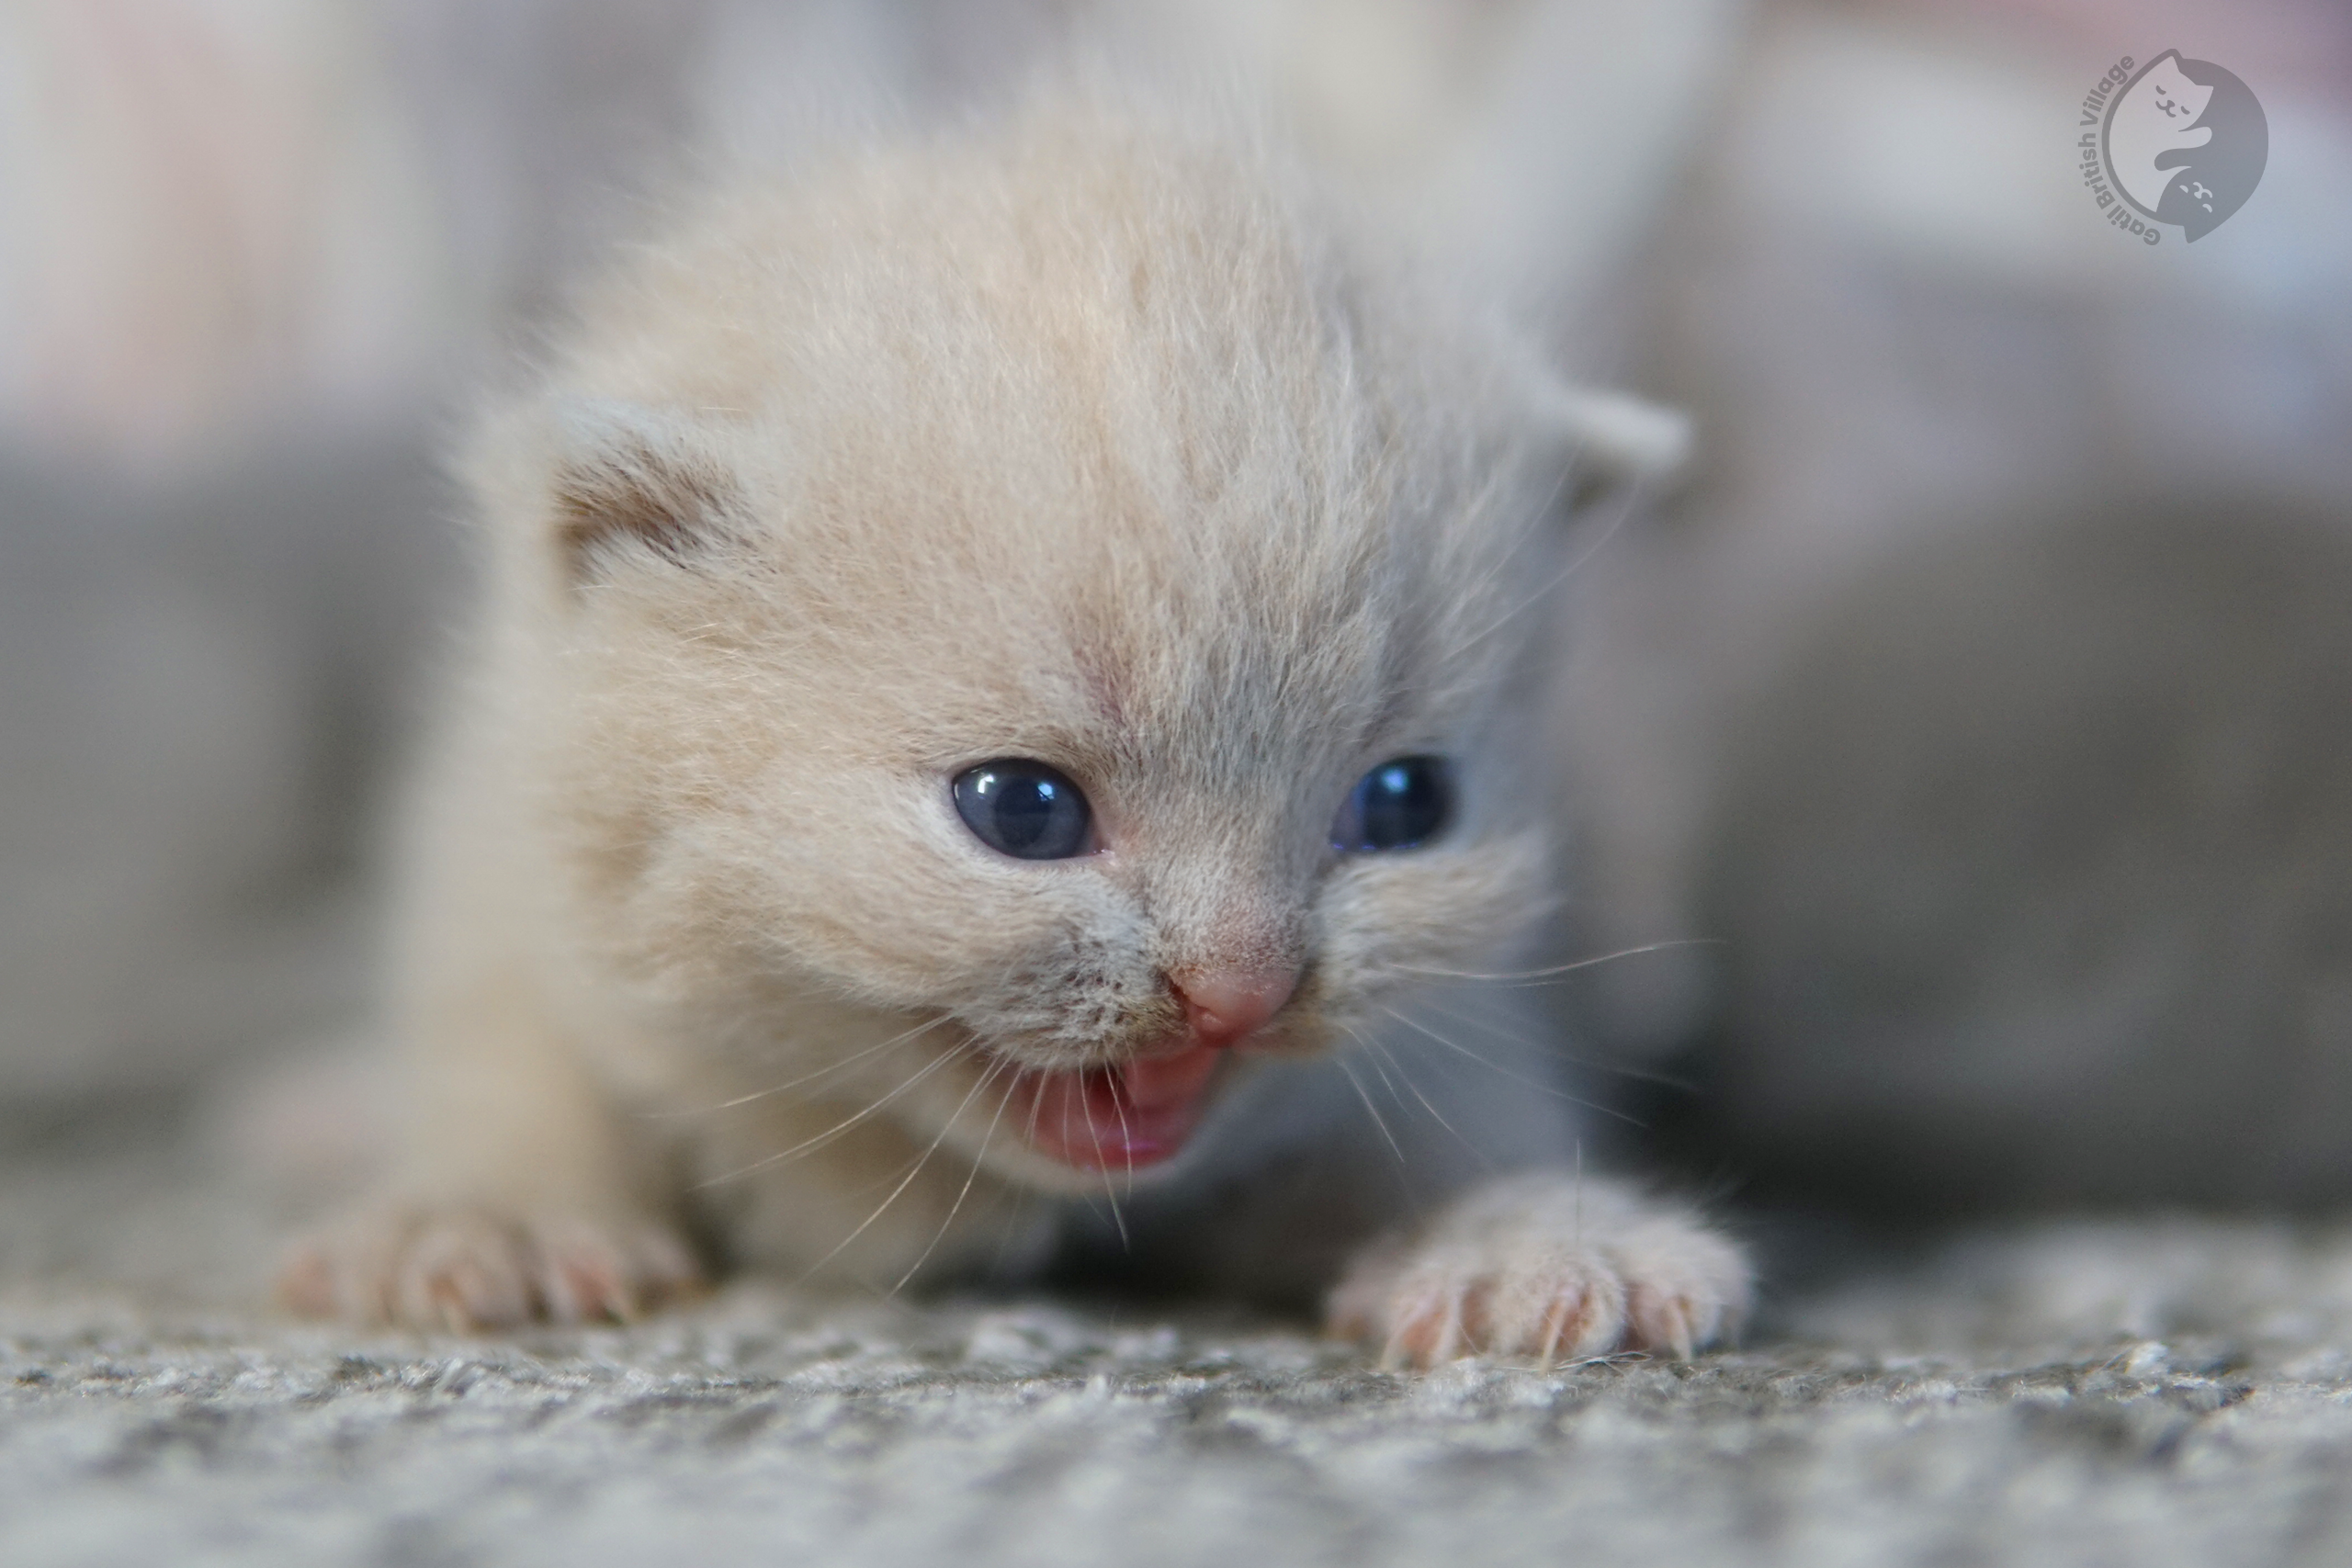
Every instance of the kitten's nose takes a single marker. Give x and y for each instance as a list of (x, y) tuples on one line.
[(1227, 1006)]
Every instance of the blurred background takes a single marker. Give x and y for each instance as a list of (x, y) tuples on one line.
[(1979, 712)]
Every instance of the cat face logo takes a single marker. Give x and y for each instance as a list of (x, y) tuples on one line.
[(2185, 142)]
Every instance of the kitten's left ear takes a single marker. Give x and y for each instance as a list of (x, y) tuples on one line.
[(1612, 441), (628, 475)]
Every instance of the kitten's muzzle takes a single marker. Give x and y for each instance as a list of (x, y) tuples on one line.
[(1143, 1110)]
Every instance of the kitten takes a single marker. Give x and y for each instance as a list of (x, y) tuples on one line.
[(1006, 660)]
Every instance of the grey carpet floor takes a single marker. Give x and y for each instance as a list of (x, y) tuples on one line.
[(2151, 1391)]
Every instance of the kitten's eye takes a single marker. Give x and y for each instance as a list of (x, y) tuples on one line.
[(1025, 810), (1399, 805)]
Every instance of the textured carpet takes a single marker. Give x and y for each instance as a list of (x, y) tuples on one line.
[(2146, 1392)]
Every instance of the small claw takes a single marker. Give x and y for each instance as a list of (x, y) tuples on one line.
[(1663, 1323), (1677, 1333), (1426, 1332), (1568, 1321)]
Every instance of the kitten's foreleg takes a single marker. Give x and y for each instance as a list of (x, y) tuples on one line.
[(520, 1197)]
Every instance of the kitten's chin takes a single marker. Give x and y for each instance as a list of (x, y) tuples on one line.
[(1129, 1117)]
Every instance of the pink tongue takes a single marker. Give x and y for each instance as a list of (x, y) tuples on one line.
[(1116, 1118)]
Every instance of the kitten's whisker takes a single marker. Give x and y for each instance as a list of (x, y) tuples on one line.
[(965, 1191), (1576, 1234), (1013, 1210), (1118, 1220), (904, 1182), (1094, 1133), (1371, 1110), (1089, 1201), (1126, 1141), (1036, 1104), (847, 1061), (811, 1144), (1553, 1049), (1372, 1044), (1551, 1089), (1512, 976), (1383, 1074)]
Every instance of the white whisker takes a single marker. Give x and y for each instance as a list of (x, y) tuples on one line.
[(1523, 976), (965, 1191), (1013, 1211), (1553, 1049), (1435, 1114), (1117, 1219), (1551, 1089), (1036, 1104), (1382, 1073), (821, 1073), (1371, 1110), (1127, 1141), (811, 1144), (906, 1181)]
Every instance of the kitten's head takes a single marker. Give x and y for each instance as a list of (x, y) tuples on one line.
[(1043, 594)]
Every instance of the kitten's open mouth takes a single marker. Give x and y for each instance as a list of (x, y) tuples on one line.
[(1119, 1117)]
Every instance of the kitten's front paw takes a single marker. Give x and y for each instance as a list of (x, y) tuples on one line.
[(1547, 1266), (464, 1268)]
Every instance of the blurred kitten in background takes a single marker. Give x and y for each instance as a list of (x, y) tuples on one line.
[(1981, 705)]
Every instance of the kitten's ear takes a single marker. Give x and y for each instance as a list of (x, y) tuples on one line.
[(629, 476), (1612, 441)]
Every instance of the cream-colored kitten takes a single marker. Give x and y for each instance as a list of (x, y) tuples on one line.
[(1006, 672)]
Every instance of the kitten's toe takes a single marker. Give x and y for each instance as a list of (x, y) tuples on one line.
[(1452, 1305), (1686, 1286), (586, 1271), (460, 1272), (1421, 1321), (1545, 1267), (467, 1270)]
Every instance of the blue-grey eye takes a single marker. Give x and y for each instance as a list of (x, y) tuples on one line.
[(1399, 805), (1025, 810)]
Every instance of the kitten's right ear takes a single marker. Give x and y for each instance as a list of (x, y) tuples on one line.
[(1614, 442), (629, 476)]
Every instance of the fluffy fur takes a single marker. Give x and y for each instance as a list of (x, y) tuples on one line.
[(1084, 436)]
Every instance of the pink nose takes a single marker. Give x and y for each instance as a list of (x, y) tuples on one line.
[(1225, 1007)]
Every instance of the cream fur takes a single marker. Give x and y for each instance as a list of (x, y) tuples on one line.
[(1086, 435)]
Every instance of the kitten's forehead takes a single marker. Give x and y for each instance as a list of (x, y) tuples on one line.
[(1164, 435), (1103, 610), (1093, 434), (1150, 553)]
